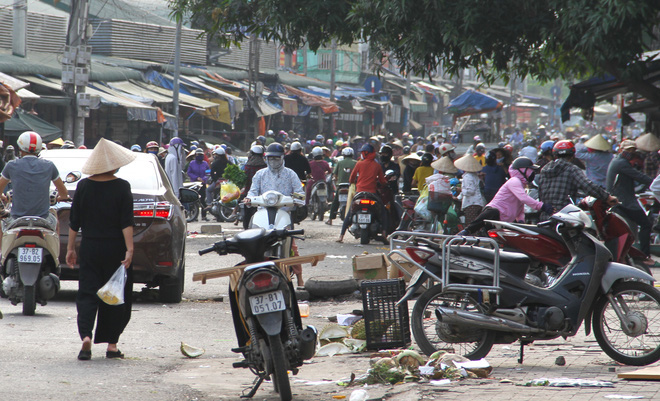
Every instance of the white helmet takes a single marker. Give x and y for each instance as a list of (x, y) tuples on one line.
[(296, 146), (347, 152), (29, 142), (218, 151), (317, 151), (257, 149), (445, 148)]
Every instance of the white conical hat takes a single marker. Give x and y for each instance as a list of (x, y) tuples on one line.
[(648, 142), (107, 156), (444, 165), (468, 164), (597, 142)]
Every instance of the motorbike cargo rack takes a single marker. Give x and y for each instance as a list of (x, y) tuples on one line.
[(386, 324), (400, 240)]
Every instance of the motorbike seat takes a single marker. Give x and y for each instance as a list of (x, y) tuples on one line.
[(29, 221), (252, 234), (546, 231), (513, 263)]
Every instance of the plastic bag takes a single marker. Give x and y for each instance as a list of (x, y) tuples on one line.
[(229, 191), (112, 293), (421, 207), (439, 185)]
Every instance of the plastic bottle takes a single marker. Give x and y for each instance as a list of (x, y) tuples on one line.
[(304, 309), (359, 395)]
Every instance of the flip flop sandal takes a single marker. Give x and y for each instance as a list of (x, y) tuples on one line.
[(84, 355)]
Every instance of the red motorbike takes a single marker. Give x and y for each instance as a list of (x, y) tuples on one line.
[(549, 253)]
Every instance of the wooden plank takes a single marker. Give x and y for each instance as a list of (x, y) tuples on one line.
[(228, 271), (652, 373)]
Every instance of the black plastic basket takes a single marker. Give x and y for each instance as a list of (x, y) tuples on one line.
[(386, 325)]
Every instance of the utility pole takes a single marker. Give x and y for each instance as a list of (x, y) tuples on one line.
[(253, 75), (406, 126), (19, 29), (177, 73), (75, 72), (333, 59)]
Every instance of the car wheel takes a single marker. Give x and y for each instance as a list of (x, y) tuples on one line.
[(171, 288)]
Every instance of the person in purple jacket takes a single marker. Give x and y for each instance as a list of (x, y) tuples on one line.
[(509, 202), (197, 172)]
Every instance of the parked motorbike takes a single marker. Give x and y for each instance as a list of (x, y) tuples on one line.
[(30, 271), (549, 253), (318, 201), (274, 212), (192, 209), (265, 311), (482, 297)]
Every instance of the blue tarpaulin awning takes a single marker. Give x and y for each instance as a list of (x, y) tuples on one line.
[(473, 102)]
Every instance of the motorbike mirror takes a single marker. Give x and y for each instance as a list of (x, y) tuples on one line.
[(72, 177), (188, 195)]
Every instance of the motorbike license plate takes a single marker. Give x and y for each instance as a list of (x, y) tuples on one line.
[(268, 302), (363, 218), (29, 255), (343, 198)]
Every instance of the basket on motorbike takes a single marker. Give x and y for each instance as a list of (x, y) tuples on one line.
[(386, 325), (439, 202)]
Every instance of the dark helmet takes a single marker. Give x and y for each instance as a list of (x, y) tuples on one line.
[(524, 162), (427, 158), (274, 149), (406, 150), (386, 149), (367, 148), (547, 146), (564, 148)]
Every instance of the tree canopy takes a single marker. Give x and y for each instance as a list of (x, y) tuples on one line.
[(544, 39)]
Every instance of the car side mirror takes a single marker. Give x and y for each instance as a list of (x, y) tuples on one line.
[(187, 195), (73, 177)]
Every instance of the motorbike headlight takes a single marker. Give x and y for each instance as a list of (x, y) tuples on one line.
[(271, 199)]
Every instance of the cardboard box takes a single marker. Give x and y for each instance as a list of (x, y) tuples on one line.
[(396, 273), (370, 267)]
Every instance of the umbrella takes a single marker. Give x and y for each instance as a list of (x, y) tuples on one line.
[(473, 102)]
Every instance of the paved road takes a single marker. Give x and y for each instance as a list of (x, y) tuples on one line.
[(38, 354)]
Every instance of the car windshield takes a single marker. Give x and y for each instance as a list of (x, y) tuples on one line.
[(140, 173)]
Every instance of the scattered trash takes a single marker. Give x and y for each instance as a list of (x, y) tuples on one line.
[(332, 333), (623, 397), (190, 351), (332, 349), (303, 307), (441, 382), (355, 345), (359, 395), (566, 382), (560, 361), (611, 369), (506, 381), (338, 397), (347, 320)]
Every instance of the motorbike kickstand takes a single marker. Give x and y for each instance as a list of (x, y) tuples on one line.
[(255, 386), (522, 351)]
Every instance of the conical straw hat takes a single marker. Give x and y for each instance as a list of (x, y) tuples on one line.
[(107, 156), (468, 164), (444, 165), (597, 142), (412, 156), (648, 142)]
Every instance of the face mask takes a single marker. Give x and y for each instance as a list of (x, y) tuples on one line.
[(500, 160), (531, 176), (153, 152), (199, 158), (274, 163)]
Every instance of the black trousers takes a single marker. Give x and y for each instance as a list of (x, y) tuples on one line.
[(99, 259), (489, 213)]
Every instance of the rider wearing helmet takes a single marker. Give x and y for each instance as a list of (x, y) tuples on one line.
[(197, 172), (480, 153), (366, 176), (218, 166), (31, 177), (341, 174), (297, 162), (319, 168), (509, 202), (475, 141), (447, 149), (423, 171), (560, 180), (386, 163), (152, 147), (255, 163), (270, 138), (134, 148), (261, 140), (545, 153), (530, 150)]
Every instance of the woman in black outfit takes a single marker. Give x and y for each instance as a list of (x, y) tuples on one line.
[(103, 210)]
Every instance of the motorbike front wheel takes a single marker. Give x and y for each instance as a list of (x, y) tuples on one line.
[(432, 335), (638, 343), (227, 214), (29, 300), (279, 376)]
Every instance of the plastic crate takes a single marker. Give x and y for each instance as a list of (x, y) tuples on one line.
[(386, 325)]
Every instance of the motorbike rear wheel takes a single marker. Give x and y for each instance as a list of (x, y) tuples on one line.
[(639, 344), (365, 236), (227, 214), (279, 376), (432, 335), (320, 210), (29, 300), (192, 211)]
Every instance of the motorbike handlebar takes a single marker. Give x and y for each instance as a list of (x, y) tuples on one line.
[(206, 250), (545, 223)]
